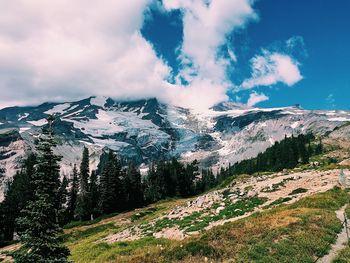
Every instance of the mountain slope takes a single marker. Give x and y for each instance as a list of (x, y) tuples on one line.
[(147, 130)]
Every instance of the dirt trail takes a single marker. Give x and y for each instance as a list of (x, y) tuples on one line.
[(341, 240)]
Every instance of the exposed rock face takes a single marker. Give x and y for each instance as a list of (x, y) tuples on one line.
[(147, 130)]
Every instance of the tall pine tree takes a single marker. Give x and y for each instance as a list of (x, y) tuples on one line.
[(83, 202), (84, 172), (133, 186), (73, 194), (62, 198), (94, 195), (42, 237), (19, 193), (105, 197)]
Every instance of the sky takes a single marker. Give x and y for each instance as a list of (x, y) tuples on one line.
[(191, 53)]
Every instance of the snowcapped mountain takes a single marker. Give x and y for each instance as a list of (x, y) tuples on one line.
[(147, 130)]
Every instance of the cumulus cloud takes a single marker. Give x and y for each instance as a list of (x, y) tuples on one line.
[(271, 68), (206, 25), (255, 98), (60, 49), (63, 50)]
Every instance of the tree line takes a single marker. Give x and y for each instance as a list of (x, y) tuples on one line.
[(286, 154)]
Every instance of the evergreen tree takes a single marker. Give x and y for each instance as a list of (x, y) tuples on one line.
[(152, 186), (304, 153), (111, 186), (319, 147), (83, 202), (84, 172), (62, 198), (117, 186), (134, 187), (19, 192), (287, 153), (105, 197), (170, 178), (186, 179), (2, 225), (207, 180), (42, 237), (310, 150), (94, 195), (73, 194)]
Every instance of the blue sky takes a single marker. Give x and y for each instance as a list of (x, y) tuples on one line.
[(191, 53), (324, 55)]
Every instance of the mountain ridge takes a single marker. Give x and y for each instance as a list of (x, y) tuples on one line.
[(146, 130)]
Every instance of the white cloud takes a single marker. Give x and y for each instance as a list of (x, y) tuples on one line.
[(65, 50), (271, 68), (255, 98), (62, 49), (330, 100), (206, 26)]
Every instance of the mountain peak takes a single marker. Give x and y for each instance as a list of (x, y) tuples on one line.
[(225, 106), (99, 101)]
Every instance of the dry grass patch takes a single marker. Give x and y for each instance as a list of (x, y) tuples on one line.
[(291, 233)]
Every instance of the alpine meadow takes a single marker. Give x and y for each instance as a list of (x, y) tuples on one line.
[(160, 131)]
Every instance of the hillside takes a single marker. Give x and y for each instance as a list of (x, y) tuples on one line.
[(264, 217), (148, 130), (254, 219)]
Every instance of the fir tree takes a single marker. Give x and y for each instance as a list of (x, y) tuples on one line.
[(319, 147), (134, 187), (83, 202), (73, 194), (105, 198), (84, 172), (152, 184), (19, 193), (170, 177), (111, 188), (117, 186), (62, 198), (42, 237), (94, 195), (186, 179)]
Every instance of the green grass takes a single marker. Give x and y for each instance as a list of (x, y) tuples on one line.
[(142, 214), (304, 230), (86, 245), (343, 256), (199, 220), (88, 223), (116, 252), (347, 211), (298, 191), (79, 235), (280, 201), (277, 186), (299, 232), (226, 182)]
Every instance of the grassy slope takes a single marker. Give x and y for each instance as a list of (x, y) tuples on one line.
[(290, 233), (344, 255), (82, 240)]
